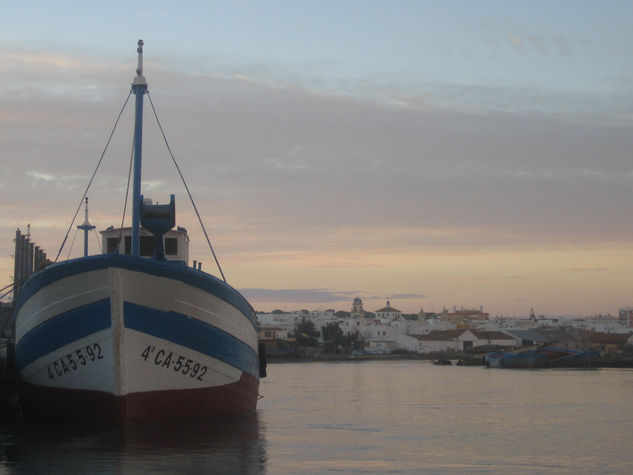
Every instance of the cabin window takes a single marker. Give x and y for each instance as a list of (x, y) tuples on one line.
[(171, 246), (146, 246), (128, 245), (112, 245)]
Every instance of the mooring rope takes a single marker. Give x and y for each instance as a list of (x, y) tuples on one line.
[(81, 201), (186, 187)]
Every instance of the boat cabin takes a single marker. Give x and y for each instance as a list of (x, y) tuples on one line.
[(176, 243)]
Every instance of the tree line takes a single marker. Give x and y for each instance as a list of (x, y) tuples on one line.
[(334, 340)]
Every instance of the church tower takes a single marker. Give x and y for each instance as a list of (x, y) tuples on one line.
[(357, 308)]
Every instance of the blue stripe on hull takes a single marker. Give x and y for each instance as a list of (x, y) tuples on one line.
[(62, 330), (191, 333)]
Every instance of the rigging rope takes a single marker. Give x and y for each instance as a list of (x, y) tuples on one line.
[(81, 201), (94, 231), (72, 244), (186, 187), (127, 192)]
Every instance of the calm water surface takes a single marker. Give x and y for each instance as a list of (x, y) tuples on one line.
[(370, 417)]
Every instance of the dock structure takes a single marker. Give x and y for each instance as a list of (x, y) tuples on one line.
[(28, 258)]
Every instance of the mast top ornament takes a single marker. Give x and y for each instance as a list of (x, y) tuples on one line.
[(139, 80)]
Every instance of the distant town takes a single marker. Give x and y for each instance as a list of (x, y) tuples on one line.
[(389, 331)]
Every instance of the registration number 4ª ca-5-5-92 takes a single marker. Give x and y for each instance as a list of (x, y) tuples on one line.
[(170, 360), (74, 360)]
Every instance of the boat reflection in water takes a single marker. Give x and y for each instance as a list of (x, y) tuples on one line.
[(232, 446)]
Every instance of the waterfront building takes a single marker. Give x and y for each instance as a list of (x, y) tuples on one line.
[(435, 342), (626, 316), (388, 313), (566, 337), (489, 338), (426, 327), (269, 334), (357, 308), (527, 337), (609, 341), (379, 345), (464, 318), (601, 323)]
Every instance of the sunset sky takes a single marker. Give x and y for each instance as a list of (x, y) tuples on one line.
[(436, 153)]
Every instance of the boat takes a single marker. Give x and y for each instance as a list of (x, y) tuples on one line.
[(442, 362), (568, 358), (136, 334), (525, 359)]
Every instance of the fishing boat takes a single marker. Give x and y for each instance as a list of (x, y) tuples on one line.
[(568, 358), (526, 359), (136, 334)]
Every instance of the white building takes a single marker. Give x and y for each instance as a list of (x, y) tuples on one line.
[(626, 316), (601, 324), (388, 312)]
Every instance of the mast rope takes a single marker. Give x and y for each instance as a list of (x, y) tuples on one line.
[(81, 201), (94, 233), (127, 191), (72, 243), (186, 187)]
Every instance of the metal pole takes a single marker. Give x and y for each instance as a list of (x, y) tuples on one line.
[(139, 86)]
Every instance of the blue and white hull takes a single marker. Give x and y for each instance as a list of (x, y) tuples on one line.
[(122, 339)]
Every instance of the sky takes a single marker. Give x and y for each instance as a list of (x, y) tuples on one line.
[(438, 154)]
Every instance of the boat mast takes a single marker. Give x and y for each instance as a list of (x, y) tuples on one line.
[(139, 87)]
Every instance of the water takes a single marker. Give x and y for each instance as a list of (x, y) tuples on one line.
[(370, 417)]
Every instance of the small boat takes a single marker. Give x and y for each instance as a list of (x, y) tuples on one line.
[(136, 334), (442, 362), (526, 359), (567, 358)]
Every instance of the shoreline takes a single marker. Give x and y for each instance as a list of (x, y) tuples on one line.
[(455, 359)]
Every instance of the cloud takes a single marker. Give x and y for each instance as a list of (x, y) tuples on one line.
[(40, 176), (574, 270), (340, 172), (408, 296), (314, 296)]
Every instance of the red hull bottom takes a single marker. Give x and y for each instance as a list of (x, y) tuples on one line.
[(221, 402)]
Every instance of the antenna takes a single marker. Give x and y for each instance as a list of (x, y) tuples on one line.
[(139, 80), (86, 227)]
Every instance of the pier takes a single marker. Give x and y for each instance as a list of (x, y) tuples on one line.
[(28, 258)]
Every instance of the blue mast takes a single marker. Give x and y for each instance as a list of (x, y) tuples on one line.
[(139, 87)]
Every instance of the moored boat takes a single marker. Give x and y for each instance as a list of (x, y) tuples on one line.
[(136, 334), (518, 360), (568, 358)]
